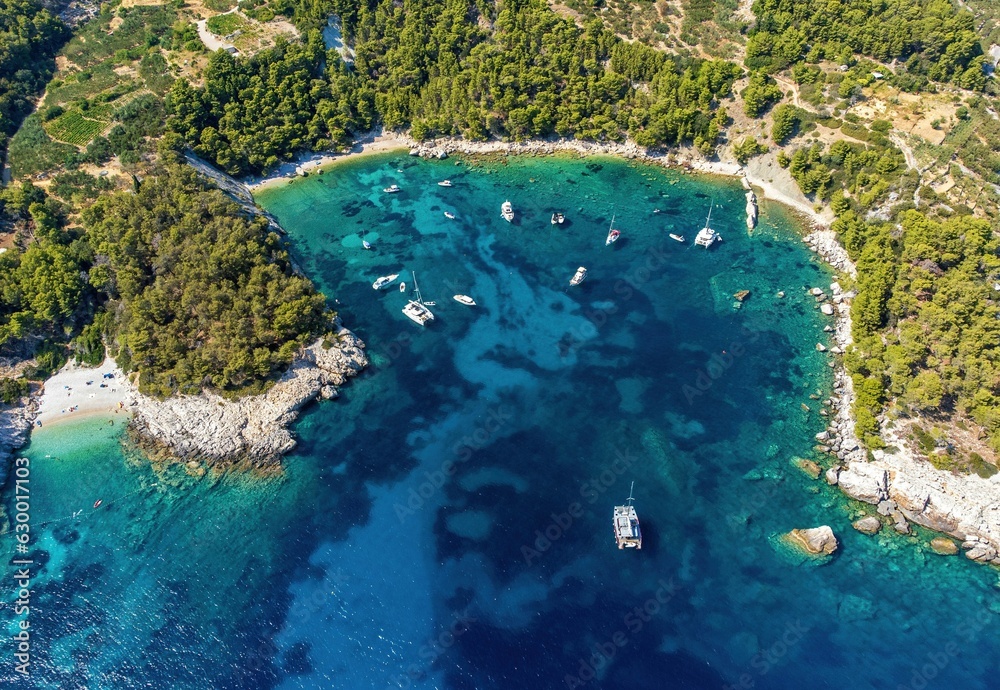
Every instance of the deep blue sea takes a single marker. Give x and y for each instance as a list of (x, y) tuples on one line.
[(446, 523)]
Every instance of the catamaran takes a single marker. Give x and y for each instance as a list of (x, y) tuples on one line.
[(507, 211), (578, 277), (383, 281), (558, 219), (626, 523), (706, 237), (613, 234), (416, 309)]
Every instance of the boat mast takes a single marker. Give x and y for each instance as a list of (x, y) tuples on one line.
[(415, 288), (630, 499), (708, 221), (612, 222)]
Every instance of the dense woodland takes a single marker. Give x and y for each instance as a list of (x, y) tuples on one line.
[(29, 39), (930, 38), (204, 297), (429, 67)]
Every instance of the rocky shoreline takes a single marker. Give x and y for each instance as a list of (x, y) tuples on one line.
[(208, 429), (903, 487)]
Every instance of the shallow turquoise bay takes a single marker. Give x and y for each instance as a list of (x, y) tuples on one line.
[(446, 522)]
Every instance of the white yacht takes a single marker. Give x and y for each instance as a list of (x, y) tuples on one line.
[(626, 522), (466, 300), (392, 189), (706, 237), (449, 215), (445, 183), (677, 238), (383, 281), (416, 310), (507, 211), (579, 276)]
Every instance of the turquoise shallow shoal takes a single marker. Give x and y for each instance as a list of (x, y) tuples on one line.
[(446, 522)]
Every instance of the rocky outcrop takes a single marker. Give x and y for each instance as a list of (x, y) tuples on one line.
[(209, 428), (816, 541), (910, 489), (15, 428), (865, 482), (868, 525), (944, 546)]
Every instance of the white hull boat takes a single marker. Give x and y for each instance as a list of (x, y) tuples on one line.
[(466, 300), (383, 281), (579, 276), (507, 211)]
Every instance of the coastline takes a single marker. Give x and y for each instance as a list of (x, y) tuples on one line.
[(762, 172)]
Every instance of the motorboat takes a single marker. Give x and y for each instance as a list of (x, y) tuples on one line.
[(383, 281)]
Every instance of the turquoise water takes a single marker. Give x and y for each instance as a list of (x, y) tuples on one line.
[(446, 522)]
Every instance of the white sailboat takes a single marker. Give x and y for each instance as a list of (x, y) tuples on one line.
[(613, 234), (416, 309), (626, 524), (706, 237)]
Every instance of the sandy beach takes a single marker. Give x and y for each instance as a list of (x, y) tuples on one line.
[(67, 394)]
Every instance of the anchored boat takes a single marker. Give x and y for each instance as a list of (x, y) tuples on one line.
[(507, 211), (558, 219), (416, 309), (383, 281), (445, 183), (579, 276), (392, 189), (626, 523), (707, 236), (466, 300), (613, 234)]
